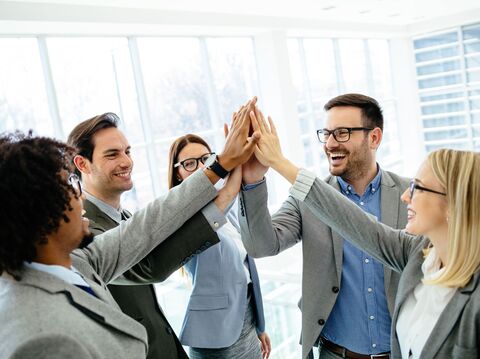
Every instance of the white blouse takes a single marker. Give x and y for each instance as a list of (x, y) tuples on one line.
[(421, 309)]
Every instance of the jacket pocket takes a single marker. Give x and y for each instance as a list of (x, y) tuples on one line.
[(208, 302), (464, 353)]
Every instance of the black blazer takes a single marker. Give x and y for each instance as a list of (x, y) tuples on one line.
[(139, 301)]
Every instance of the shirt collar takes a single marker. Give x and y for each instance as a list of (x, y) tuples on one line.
[(71, 276), (372, 187), (112, 212)]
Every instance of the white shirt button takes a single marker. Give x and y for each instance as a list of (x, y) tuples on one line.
[(367, 260), (373, 189), (362, 203), (370, 290), (215, 224), (374, 345), (372, 317)]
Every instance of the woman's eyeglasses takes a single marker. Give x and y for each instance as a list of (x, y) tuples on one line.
[(414, 186), (191, 164)]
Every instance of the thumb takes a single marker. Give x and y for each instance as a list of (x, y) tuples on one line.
[(225, 129)]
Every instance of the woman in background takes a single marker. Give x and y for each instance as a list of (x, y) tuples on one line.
[(224, 317)]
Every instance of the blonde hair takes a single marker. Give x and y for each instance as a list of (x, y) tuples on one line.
[(456, 172)]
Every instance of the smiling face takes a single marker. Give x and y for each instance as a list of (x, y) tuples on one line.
[(191, 150), (355, 157), (427, 211), (110, 171)]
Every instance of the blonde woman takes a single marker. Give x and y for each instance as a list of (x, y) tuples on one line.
[(437, 311)]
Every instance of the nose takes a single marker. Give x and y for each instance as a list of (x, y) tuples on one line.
[(127, 160), (331, 141), (405, 197)]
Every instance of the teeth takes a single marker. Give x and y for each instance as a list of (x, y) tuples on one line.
[(122, 174)]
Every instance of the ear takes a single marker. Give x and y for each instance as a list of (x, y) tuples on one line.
[(82, 164), (376, 136)]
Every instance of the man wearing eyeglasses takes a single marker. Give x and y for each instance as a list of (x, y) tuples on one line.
[(105, 165), (347, 296)]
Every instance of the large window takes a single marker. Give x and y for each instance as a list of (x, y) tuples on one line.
[(325, 68), (448, 76)]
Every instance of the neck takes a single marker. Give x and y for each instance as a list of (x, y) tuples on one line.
[(52, 255), (362, 178), (112, 199), (440, 242)]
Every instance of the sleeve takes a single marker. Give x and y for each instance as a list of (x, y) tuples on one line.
[(262, 234), (119, 249), (390, 246), (51, 347)]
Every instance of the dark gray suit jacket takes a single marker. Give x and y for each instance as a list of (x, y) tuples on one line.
[(43, 316), (456, 334), (140, 301), (264, 236)]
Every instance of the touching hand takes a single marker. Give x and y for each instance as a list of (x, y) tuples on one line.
[(252, 170), (239, 146), (268, 150), (265, 345)]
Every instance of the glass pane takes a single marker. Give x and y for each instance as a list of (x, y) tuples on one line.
[(142, 191), (296, 69), (444, 96), (475, 117), (444, 121), (442, 108), (454, 145), (232, 62), (473, 76), (472, 48), (321, 70), (308, 148), (23, 100), (439, 67), (437, 54), (471, 32), (440, 81), (176, 85), (472, 62), (380, 59), (354, 68), (93, 76), (436, 40), (447, 134)]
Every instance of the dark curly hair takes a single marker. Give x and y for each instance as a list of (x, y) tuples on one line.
[(35, 195)]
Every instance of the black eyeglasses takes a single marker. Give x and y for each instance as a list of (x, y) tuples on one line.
[(341, 134), (414, 186), (74, 181), (191, 164)]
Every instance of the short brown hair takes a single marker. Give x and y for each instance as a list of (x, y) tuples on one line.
[(81, 136), (371, 112), (177, 146)]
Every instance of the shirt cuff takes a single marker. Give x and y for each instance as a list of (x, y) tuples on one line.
[(214, 216), (248, 186), (303, 184)]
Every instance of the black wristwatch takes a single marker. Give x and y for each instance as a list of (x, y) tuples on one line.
[(213, 165)]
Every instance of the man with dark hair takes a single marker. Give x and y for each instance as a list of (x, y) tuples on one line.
[(105, 165), (347, 296), (54, 302)]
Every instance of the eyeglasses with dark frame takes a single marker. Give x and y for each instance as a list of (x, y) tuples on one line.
[(74, 181), (340, 134), (413, 186), (191, 164)]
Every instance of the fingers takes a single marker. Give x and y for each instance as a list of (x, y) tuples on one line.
[(272, 126), (225, 130)]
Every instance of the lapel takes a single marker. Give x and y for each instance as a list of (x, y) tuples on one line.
[(337, 240), (448, 318), (102, 309), (96, 215)]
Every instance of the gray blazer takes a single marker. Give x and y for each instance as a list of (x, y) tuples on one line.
[(44, 317), (264, 236), (457, 332)]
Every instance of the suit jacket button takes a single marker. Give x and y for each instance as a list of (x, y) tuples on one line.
[(335, 289), (169, 330), (321, 322)]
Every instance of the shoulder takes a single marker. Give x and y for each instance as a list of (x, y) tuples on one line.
[(391, 178)]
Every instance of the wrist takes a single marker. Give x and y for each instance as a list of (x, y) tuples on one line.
[(226, 162)]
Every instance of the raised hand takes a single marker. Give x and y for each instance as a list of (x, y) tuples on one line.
[(268, 150), (239, 146), (252, 170), (266, 346)]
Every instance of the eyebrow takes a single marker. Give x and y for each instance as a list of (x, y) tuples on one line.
[(418, 180), (112, 151)]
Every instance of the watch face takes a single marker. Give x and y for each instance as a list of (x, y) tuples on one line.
[(210, 161)]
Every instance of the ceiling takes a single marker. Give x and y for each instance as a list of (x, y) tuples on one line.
[(354, 15)]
